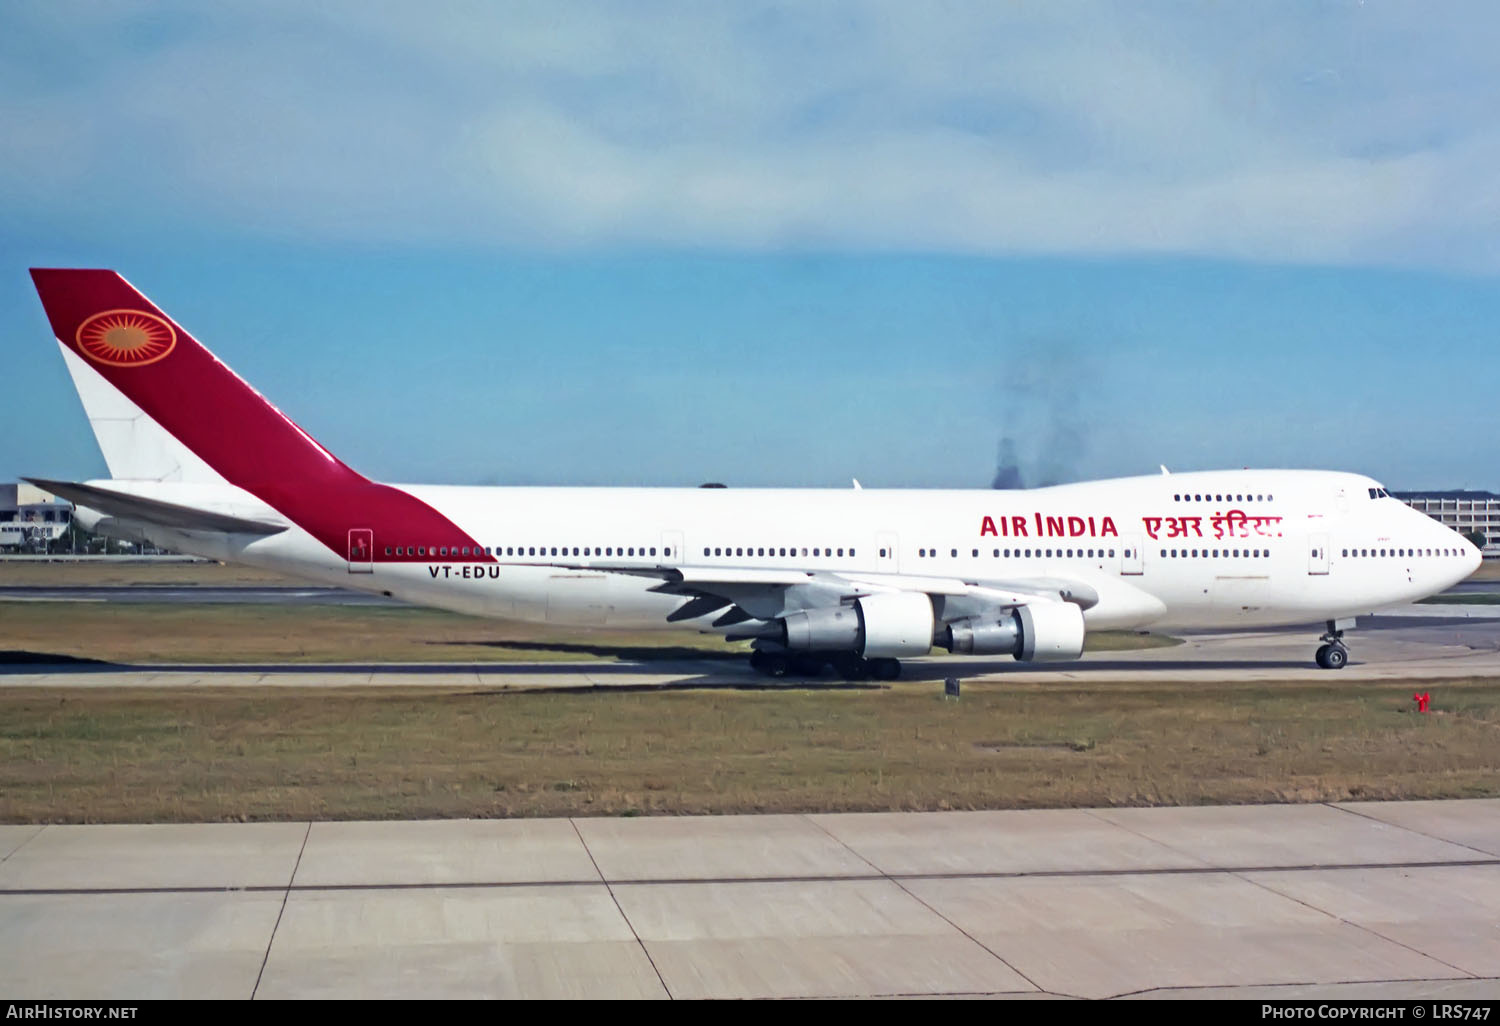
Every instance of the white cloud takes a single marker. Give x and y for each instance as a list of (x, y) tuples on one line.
[(1324, 132)]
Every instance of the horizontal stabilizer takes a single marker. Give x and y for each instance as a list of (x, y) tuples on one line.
[(153, 511)]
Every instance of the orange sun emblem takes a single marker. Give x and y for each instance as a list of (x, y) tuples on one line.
[(126, 338)]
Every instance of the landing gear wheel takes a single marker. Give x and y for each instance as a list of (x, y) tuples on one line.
[(1333, 656), (807, 666), (772, 664), (885, 669), (853, 668)]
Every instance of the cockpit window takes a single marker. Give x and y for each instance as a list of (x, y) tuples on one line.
[(1379, 493)]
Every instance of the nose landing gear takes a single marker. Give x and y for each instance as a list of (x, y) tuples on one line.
[(1332, 655)]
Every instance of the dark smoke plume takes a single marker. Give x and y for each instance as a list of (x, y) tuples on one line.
[(1044, 398), (1007, 470)]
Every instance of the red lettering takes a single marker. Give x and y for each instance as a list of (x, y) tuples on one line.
[(1108, 527), (1075, 527), (1055, 527), (1039, 532), (1018, 527), (987, 527)]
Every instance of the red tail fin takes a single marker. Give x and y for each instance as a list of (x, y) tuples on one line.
[(149, 358), (180, 384)]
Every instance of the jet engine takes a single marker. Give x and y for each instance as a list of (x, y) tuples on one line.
[(888, 625), (1044, 632)]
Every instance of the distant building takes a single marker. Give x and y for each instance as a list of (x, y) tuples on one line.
[(1463, 511), (30, 518)]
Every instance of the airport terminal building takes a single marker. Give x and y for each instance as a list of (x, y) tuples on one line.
[(1463, 511), (31, 518)]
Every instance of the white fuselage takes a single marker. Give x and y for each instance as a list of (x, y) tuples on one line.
[(1223, 548)]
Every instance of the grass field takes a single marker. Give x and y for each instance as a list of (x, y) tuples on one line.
[(88, 756), (107, 573), (179, 633), (190, 756)]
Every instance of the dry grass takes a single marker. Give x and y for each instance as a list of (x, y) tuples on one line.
[(102, 573), (179, 633), (176, 756)]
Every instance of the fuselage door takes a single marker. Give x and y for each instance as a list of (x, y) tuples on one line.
[(361, 550), (1317, 554), (671, 548), (1132, 561), (886, 547)]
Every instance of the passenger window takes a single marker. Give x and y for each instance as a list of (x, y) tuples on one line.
[(882, 553), (976, 552), (841, 552), (953, 553), (653, 550)]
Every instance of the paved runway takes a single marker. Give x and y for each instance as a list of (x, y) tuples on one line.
[(1348, 900), (1411, 644)]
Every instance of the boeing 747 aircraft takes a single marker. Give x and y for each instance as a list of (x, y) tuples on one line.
[(201, 463)]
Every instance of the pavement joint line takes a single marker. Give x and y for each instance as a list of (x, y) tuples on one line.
[(904, 890), (1017, 874), (1409, 829), (33, 836), (1349, 922), (290, 880), (1147, 837), (620, 909), (1302, 983)]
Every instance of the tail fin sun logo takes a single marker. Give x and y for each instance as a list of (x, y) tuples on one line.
[(126, 338)]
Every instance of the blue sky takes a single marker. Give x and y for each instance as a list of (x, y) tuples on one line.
[(780, 244)]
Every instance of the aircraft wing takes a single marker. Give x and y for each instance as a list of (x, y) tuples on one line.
[(154, 511), (750, 593)]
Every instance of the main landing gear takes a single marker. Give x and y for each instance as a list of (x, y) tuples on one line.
[(1332, 655), (813, 664)]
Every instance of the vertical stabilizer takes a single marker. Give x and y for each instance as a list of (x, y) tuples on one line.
[(135, 447)]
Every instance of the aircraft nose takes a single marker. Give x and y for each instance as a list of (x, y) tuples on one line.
[(1472, 555)]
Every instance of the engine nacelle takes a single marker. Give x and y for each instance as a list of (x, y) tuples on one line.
[(888, 625), (1045, 632)]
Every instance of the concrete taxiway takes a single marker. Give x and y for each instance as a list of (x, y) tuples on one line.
[(1412, 644), (1347, 900)]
